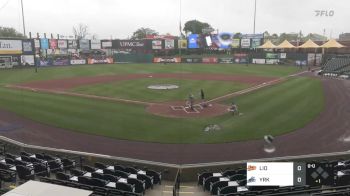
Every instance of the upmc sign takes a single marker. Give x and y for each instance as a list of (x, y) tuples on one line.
[(125, 44)]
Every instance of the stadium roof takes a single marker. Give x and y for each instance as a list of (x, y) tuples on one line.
[(285, 44), (309, 44), (332, 43), (268, 45)]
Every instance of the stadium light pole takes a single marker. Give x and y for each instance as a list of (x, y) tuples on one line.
[(24, 26), (254, 16)]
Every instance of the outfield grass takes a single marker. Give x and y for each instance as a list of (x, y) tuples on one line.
[(275, 110), (23, 75), (137, 89)]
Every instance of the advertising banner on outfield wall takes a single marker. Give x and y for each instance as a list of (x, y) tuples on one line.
[(95, 44), (226, 60), (27, 60), (44, 62), (27, 46), (106, 44), (193, 41), (272, 61), (100, 61), (44, 43), (62, 44), (272, 56), (128, 44), (36, 43), (256, 42), (209, 60), (283, 55), (169, 44), (167, 60), (10, 47), (223, 40), (258, 61), (53, 43), (191, 60), (61, 62), (253, 36), (72, 44), (182, 44), (156, 44), (235, 43), (78, 62), (245, 43), (6, 62), (84, 44)]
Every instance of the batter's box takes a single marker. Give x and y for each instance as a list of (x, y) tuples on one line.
[(198, 107), (177, 107), (189, 111)]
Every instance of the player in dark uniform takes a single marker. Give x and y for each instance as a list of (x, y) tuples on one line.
[(191, 101)]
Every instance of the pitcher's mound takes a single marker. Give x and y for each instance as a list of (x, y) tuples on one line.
[(180, 110)]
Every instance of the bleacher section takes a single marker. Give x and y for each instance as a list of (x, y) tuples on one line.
[(336, 67), (100, 178), (233, 182)]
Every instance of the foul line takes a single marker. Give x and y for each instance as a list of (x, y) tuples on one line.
[(259, 86), (80, 95)]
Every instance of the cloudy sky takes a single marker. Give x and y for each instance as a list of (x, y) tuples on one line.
[(119, 18)]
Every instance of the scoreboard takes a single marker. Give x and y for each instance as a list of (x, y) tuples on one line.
[(289, 174)]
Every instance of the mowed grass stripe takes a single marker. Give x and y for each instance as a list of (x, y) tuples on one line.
[(11, 76), (137, 89)]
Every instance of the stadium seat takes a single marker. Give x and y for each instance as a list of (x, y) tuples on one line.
[(140, 186), (41, 169), (157, 176), (125, 187), (68, 164), (76, 172), (99, 165), (63, 176), (25, 173), (89, 168)]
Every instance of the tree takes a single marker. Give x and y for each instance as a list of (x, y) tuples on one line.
[(80, 31), (237, 35), (195, 26), (142, 33), (10, 32)]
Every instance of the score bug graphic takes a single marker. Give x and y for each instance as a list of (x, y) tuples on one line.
[(319, 174), (270, 174)]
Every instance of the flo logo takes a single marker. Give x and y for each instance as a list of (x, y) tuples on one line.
[(324, 13)]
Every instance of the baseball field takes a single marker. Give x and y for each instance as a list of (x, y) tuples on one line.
[(114, 100)]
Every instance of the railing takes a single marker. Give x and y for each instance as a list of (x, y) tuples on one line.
[(176, 187)]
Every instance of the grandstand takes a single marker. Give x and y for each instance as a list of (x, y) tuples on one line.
[(338, 66)]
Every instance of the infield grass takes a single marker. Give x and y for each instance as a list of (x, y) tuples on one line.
[(138, 89)]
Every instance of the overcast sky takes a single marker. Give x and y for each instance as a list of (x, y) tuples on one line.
[(119, 18)]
